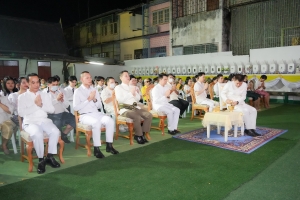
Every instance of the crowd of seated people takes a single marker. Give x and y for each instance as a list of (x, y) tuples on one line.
[(48, 106)]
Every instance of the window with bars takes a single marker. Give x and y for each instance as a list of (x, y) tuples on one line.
[(181, 8), (158, 52), (160, 16), (201, 48)]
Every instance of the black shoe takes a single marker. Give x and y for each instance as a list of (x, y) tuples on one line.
[(254, 132), (249, 133), (52, 162), (171, 132), (98, 153), (139, 139), (144, 138), (177, 131), (110, 148), (41, 167), (180, 116), (64, 137)]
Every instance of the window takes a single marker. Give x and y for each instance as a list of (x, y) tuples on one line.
[(182, 8), (140, 53), (158, 52), (114, 28), (128, 57), (104, 30), (201, 48), (160, 16)]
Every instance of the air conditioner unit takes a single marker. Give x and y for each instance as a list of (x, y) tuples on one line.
[(153, 29)]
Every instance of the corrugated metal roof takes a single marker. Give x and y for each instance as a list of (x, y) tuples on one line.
[(31, 37)]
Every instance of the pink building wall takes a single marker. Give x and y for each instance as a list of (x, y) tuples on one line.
[(160, 39)]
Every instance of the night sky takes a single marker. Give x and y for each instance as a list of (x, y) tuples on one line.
[(70, 11)]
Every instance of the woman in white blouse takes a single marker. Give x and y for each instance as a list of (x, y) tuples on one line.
[(13, 98), (187, 89)]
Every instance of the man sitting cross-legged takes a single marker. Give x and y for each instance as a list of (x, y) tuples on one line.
[(61, 115), (33, 106), (128, 98), (200, 92), (234, 93), (87, 102), (160, 101)]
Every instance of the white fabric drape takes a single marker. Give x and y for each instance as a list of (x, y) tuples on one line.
[(279, 83)]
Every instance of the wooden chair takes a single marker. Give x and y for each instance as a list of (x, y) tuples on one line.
[(25, 139), (124, 121), (196, 106), (87, 130), (161, 116)]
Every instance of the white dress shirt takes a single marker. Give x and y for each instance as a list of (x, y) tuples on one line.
[(198, 87), (158, 96), (68, 91), (105, 94), (124, 95), (137, 90), (82, 105), (32, 113), (173, 95), (13, 99), (230, 91), (4, 116), (59, 106)]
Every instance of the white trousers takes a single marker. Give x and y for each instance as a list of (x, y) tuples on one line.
[(211, 103), (250, 114), (172, 113), (36, 133), (97, 120)]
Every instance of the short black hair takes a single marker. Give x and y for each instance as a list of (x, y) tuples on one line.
[(108, 78), (131, 77), (72, 78), (30, 75), (231, 76), (200, 74), (121, 73), (264, 77), (219, 75), (239, 77), (57, 77), (20, 79), (214, 78), (161, 76), (99, 78), (52, 79)]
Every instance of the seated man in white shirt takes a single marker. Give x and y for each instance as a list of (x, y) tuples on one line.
[(100, 84), (61, 117), (69, 91), (127, 96), (87, 102), (174, 100), (200, 92), (234, 93), (160, 102), (33, 106), (220, 80)]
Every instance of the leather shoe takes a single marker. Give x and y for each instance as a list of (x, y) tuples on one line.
[(254, 132), (139, 139), (177, 131), (98, 153), (110, 148), (64, 138), (41, 167), (249, 133), (171, 132), (52, 162), (144, 138)]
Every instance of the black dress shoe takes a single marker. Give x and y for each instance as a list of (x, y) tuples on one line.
[(177, 131), (110, 148), (254, 132), (52, 162), (41, 167), (139, 139), (64, 138), (98, 153), (144, 138), (171, 132), (249, 133)]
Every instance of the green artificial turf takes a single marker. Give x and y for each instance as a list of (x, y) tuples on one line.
[(169, 169)]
